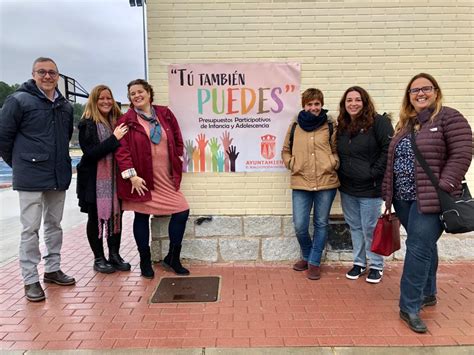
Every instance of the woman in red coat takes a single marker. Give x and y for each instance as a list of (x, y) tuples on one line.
[(150, 166), (443, 137)]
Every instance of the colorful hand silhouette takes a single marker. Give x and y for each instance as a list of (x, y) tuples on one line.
[(233, 154), (214, 148), (189, 146), (226, 142), (220, 161), (196, 159), (202, 143), (185, 162)]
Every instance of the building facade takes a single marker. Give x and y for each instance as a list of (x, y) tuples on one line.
[(376, 44)]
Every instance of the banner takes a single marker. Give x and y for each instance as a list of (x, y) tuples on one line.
[(234, 117)]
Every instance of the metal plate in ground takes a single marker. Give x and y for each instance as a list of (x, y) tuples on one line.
[(187, 289)]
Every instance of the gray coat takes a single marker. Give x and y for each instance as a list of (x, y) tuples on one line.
[(34, 139)]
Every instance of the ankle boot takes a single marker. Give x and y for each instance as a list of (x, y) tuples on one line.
[(114, 257), (145, 263), (171, 261), (101, 265), (314, 272), (118, 263)]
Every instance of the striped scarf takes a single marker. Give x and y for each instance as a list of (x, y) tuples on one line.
[(108, 207)]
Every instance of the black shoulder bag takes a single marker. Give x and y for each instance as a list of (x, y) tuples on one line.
[(457, 213)]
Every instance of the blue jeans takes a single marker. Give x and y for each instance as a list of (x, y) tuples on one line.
[(361, 214), (303, 202), (421, 258)]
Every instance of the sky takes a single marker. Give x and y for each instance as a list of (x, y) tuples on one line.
[(93, 41)]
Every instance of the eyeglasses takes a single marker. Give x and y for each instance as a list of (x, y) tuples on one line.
[(42, 73), (425, 89)]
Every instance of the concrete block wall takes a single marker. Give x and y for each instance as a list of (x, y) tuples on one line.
[(378, 44)]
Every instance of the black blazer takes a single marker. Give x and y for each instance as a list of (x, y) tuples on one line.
[(93, 150)]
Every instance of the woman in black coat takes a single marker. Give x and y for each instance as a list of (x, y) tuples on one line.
[(96, 185), (363, 137)]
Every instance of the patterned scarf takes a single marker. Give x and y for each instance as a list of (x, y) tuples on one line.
[(108, 207)]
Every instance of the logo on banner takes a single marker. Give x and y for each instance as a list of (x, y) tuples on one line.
[(267, 146)]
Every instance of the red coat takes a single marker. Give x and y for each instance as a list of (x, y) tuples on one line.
[(445, 144), (135, 152)]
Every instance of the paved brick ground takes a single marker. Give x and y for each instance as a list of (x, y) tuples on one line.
[(259, 306)]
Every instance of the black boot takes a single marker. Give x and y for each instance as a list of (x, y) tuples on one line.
[(114, 257), (145, 263), (101, 265), (172, 260), (118, 263)]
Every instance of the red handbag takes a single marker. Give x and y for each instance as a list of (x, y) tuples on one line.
[(386, 239)]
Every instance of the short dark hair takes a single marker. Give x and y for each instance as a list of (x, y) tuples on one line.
[(44, 59), (312, 94), (145, 85)]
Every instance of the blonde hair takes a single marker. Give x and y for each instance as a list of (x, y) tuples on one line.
[(407, 111), (92, 112)]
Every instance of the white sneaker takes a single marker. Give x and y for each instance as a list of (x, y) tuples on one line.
[(375, 276), (355, 272)]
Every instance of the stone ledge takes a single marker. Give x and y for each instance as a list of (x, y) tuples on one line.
[(267, 239)]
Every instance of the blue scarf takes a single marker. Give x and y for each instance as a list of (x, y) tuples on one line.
[(155, 128), (309, 122)]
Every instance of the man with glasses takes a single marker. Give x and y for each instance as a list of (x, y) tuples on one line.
[(36, 124)]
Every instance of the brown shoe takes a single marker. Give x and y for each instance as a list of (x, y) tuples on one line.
[(314, 272), (300, 265)]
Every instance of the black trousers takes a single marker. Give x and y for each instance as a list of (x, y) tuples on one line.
[(176, 228), (96, 243)]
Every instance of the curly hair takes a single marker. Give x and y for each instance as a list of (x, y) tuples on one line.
[(148, 88), (364, 120)]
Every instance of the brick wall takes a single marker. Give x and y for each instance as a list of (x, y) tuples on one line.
[(379, 45)]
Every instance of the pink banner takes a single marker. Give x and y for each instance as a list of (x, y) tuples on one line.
[(234, 116)]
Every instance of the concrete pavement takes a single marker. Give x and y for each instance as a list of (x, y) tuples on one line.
[(10, 219)]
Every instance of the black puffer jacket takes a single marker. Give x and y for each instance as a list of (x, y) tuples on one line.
[(363, 159), (94, 150), (34, 139)]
